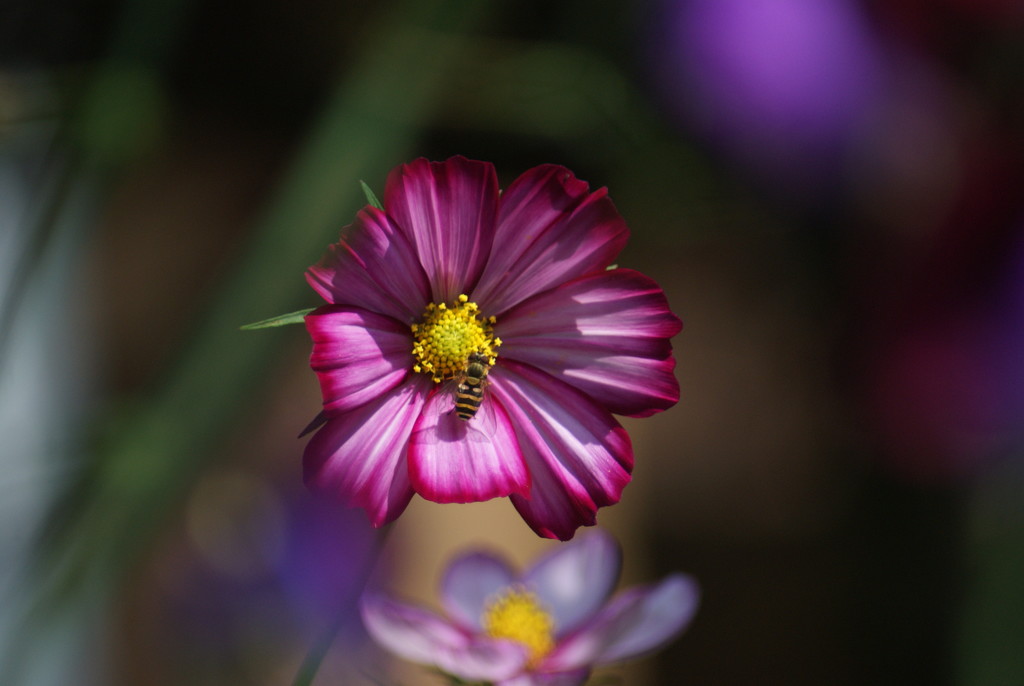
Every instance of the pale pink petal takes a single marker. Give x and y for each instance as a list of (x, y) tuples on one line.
[(452, 460), (423, 637), (374, 267), (357, 355), (578, 456), (606, 334), (574, 678), (550, 230), (637, 621), (469, 582), (448, 211), (574, 580), (359, 457)]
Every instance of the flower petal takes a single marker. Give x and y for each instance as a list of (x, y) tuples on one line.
[(551, 229), (575, 678), (468, 583), (578, 456), (360, 456), (421, 636), (357, 355), (453, 460), (634, 623), (374, 267), (448, 210), (606, 334), (575, 579)]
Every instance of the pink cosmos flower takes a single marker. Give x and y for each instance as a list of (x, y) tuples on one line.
[(546, 627), (520, 279)]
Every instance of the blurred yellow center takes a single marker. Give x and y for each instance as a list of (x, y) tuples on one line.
[(517, 615), (447, 334)]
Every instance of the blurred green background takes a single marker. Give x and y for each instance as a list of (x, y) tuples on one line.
[(830, 192)]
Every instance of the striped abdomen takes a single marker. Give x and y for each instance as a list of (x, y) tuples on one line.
[(471, 391)]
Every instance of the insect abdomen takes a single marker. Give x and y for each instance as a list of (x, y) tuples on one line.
[(471, 391), (467, 400)]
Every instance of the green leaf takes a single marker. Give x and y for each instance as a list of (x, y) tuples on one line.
[(280, 320), (370, 197)]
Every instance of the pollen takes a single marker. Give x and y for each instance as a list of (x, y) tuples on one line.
[(446, 335), (517, 615)]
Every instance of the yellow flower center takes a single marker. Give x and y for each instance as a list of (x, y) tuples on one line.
[(516, 614), (447, 334)]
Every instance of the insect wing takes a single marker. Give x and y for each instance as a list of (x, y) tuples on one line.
[(439, 422)]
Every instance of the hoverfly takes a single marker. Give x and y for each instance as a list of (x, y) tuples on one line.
[(470, 392)]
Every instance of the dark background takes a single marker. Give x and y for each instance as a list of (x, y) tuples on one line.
[(829, 192)]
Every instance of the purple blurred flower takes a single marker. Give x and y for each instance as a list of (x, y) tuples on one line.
[(549, 626), (778, 82), (265, 570), (451, 268)]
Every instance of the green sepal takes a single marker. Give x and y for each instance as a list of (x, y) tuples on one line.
[(454, 680), (370, 197), (280, 320)]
